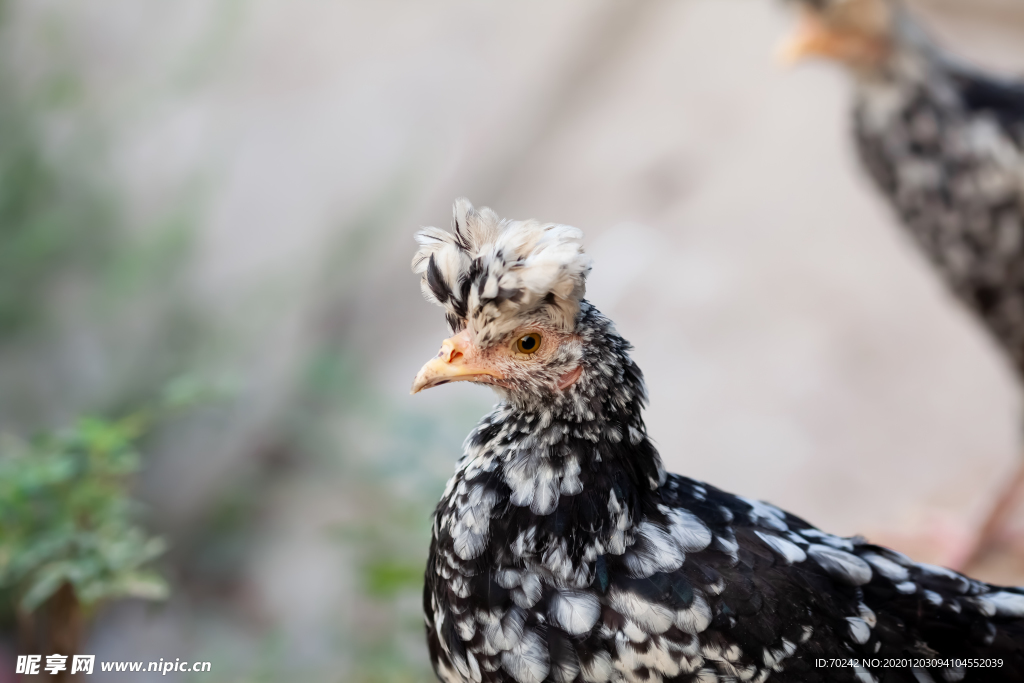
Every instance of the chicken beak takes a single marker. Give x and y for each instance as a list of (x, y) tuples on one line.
[(451, 365), (812, 38)]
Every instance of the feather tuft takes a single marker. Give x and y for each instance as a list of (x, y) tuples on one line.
[(494, 275)]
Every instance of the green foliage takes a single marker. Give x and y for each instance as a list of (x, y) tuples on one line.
[(386, 577), (66, 516), (53, 220)]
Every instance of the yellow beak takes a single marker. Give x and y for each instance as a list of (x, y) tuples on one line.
[(451, 365), (813, 38)]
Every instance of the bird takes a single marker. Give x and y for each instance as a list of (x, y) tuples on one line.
[(563, 552), (944, 143)]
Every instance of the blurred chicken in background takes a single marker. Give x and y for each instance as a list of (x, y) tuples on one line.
[(944, 141)]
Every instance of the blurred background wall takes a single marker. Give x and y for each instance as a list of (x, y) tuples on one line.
[(225, 191)]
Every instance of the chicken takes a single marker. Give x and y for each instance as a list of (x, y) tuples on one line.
[(944, 142), (562, 551)]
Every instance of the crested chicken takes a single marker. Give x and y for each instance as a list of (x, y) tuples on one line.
[(562, 551)]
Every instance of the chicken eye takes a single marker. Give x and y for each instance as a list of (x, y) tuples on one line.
[(528, 343)]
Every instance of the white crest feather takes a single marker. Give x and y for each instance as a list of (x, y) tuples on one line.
[(493, 275)]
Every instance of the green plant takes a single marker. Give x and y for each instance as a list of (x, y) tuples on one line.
[(69, 539), (55, 222)]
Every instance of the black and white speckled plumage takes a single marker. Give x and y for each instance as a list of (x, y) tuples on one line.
[(945, 144), (562, 552)]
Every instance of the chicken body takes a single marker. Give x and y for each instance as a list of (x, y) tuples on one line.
[(563, 552), (945, 144)]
